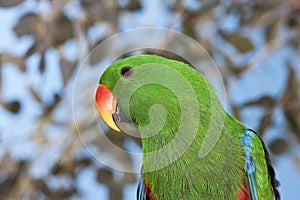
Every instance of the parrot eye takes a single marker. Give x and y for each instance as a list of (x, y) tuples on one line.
[(126, 72)]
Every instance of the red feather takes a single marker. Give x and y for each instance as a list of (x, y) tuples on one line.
[(243, 192), (149, 192)]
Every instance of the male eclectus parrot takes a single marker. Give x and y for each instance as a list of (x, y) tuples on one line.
[(177, 114)]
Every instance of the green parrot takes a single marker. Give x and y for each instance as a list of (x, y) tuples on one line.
[(192, 148)]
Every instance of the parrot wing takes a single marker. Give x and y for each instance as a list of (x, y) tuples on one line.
[(260, 175), (141, 191), (260, 182)]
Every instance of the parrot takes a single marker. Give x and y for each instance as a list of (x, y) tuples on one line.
[(177, 113)]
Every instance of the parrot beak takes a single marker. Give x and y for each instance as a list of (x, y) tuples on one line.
[(106, 104)]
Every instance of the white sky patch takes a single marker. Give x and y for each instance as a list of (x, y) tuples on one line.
[(51, 81), (153, 14), (48, 156), (9, 18), (98, 32), (192, 5), (89, 187), (73, 10), (129, 191), (288, 176), (267, 78)]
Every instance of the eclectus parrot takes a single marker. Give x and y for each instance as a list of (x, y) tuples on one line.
[(177, 114)]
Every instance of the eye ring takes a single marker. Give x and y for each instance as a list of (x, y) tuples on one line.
[(126, 72)]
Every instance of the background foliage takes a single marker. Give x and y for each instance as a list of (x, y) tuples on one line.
[(254, 43)]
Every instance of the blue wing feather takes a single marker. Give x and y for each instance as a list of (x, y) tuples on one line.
[(250, 166), (257, 163), (141, 190)]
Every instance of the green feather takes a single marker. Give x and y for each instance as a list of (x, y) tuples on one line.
[(220, 173)]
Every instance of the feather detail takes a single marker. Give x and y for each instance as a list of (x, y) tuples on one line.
[(141, 191), (144, 191), (250, 166), (242, 194), (259, 172)]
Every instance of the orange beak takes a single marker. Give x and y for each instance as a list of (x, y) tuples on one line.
[(106, 104)]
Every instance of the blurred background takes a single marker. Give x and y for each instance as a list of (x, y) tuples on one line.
[(256, 45)]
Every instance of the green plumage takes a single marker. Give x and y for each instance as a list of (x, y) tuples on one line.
[(221, 173)]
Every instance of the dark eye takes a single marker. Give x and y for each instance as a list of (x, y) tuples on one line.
[(126, 72)]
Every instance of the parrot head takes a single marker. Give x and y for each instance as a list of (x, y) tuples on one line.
[(148, 92), (114, 84), (164, 102)]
